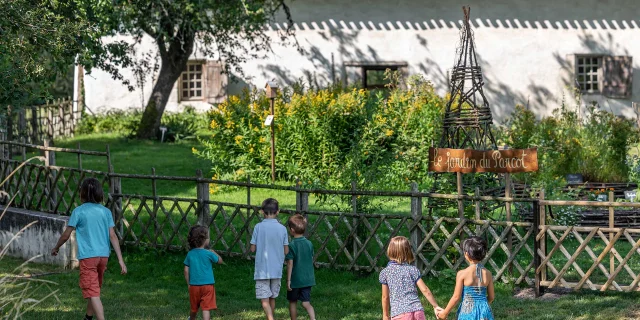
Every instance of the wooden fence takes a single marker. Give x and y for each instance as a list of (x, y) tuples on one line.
[(537, 253), (36, 124)]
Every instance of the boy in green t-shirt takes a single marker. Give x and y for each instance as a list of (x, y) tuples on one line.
[(300, 273)]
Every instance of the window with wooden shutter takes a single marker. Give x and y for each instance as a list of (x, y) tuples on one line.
[(217, 81), (618, 75)]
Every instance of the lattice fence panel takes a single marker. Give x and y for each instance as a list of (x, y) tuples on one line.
[(581, 258)]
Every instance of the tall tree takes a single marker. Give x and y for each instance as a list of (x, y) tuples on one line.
[(229, 30)]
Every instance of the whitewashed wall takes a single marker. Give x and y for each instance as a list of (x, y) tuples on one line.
[(525, 47)]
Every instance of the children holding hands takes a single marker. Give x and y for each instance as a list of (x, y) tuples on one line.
[(270, 244), (474, 285), (399, 281), (300, 272)]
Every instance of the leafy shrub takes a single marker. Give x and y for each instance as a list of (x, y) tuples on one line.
[(328, 137), (180, 125), (595, 144)]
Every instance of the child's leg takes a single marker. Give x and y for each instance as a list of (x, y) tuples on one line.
[(312, 313), (205, 315), (272, 304), (266, 306), (89, 308), (96, 305), (193, 315), (293, 309)]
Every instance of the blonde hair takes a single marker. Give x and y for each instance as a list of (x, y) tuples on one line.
[(399, 250)]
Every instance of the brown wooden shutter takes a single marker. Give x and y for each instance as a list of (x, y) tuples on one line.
[(216, 82), (618, 75)]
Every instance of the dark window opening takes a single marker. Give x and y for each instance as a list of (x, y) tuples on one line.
[(373, 77)]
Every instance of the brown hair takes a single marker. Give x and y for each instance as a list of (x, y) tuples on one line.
[(270, 206), (297, 223), (399, 250), (91, 191), (475, 247), (197, 236)]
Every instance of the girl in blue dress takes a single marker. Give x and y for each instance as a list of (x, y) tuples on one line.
[(474, 285)]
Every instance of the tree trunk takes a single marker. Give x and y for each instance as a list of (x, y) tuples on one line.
[(150, 122)]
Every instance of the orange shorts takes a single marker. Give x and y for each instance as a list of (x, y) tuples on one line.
[(202, 297), (91, 275)]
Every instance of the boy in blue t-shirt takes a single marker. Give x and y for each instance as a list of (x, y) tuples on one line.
[(93, 224), (270, 243), (198, 271)]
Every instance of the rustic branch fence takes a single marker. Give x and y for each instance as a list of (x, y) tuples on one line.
[(535, 253), (36, 124)]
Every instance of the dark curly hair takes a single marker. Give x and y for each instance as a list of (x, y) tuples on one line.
[(197, 236), (475, 247)]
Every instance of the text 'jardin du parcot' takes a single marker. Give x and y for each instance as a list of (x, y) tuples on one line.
[(468, 160)]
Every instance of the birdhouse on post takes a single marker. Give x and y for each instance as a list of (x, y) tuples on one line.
[(272, 89)]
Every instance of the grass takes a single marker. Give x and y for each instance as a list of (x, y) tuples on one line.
[(155, 289)]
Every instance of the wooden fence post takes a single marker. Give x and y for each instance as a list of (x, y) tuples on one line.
[(612, 263), (536, 247), (354, 209), (115, 188), (302, 199), (9, 128), (416, 214), (478, 216), (202, 191), (34, 125), (542, 216), (50, 121), (507, 194), (50, 160)]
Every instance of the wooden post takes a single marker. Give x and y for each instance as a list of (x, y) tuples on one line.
[(542, 215), (248, 234), (416, 214), (302, 199), (202, 191), (460, 192), (273, 142), (612, 263), (24, 149), (354, 209), (507, 194), (50, 160), (34, 126), (2, 138), (109, 165), (536, 247), (115, 190), (50, 121), (9, 128), (478, 216), (79, 158), (22, 125)]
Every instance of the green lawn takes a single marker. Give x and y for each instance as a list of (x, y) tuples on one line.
[(155, 289)]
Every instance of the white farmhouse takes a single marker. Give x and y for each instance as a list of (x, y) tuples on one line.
[(531, 53)]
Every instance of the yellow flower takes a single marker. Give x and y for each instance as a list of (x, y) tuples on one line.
[(238, 139), (230, 124), (239, 172), (251, 150), (263, 140), (358, 173), (389, 132), (194, 150), (213, 124)]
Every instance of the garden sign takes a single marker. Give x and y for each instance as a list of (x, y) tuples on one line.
[(469, 161)]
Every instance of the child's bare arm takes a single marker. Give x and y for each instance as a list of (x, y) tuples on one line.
[(219, 257), (253, 248), (186, 274), (427, 293), (286, 249), (490, 292), (385, 302), (63, 238), (115, 243), (289, 271), (457, 294)]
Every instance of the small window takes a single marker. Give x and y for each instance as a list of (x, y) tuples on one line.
[(374, 76), (191, 82), (589, 73)]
